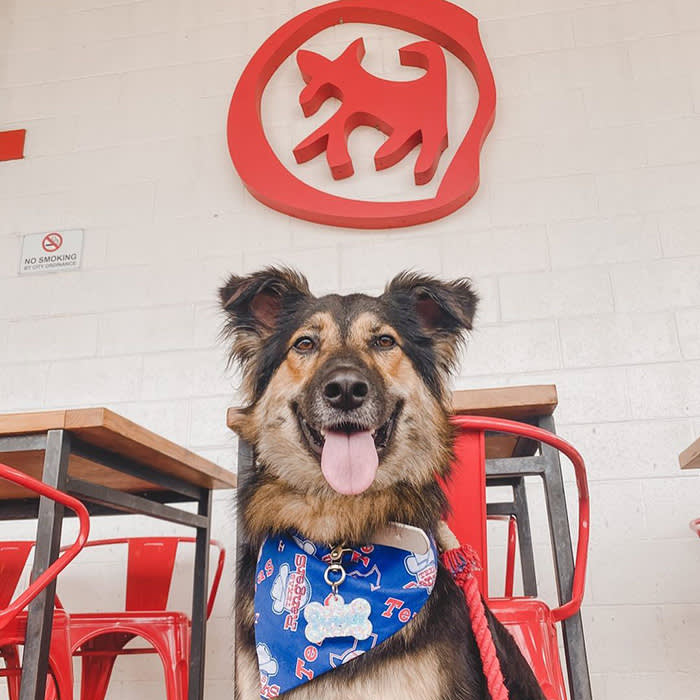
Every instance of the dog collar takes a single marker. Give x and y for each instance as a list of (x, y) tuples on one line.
[(310, 618)]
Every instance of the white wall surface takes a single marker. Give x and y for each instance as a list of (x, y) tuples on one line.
[(583, 240)]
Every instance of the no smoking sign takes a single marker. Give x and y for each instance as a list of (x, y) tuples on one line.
[(51, 252)]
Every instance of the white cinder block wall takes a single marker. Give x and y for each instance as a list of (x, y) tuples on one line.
[(583, 240)]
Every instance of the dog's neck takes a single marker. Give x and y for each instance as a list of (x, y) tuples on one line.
[(272, 507)]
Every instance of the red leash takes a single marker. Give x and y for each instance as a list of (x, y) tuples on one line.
[(462, 562)]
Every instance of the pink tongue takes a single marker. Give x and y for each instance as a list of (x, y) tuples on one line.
[(349, 462)]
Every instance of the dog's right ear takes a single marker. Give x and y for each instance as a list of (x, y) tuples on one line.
[(255, 306)]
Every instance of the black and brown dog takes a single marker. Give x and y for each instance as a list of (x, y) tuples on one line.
[(347, 410)]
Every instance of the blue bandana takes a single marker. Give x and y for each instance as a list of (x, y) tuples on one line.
[(303, 630)]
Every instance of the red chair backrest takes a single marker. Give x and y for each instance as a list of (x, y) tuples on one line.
[(466, 494), (18, 555), (149, 572), (13, 559)]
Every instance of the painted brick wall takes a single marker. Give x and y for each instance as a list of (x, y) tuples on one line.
[(583, 240)]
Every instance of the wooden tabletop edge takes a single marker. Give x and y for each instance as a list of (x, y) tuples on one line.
[(81, 421), (690, 457)]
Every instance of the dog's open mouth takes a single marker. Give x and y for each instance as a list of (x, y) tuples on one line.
[(349, 453)]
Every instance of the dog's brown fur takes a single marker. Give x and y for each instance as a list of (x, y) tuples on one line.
[(269, 313)]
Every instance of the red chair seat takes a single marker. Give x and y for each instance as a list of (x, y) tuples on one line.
[(99, 638), (531, 624)]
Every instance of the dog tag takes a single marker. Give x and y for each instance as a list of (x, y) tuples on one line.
[(335, 618)]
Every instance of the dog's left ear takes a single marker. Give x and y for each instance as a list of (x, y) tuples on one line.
[(442, 311)]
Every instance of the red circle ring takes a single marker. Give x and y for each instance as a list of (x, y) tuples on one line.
[(270, 182), (56, 240)]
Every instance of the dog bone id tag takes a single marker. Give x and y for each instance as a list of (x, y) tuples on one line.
[(336, 618)]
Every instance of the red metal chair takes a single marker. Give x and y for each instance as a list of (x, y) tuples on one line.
[(695, 526), (13, 619), (99, 638), (530, 621)]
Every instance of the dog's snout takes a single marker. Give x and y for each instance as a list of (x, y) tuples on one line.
[(345, 389)]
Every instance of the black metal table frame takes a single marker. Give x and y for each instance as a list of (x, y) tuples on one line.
[(511, 471), (57, 446)]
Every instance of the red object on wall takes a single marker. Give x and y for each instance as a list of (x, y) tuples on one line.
[(12, 144), (409, 112), (439, 23)]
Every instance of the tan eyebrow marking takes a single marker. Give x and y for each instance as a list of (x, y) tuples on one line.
[(367, 326), (321, 323)]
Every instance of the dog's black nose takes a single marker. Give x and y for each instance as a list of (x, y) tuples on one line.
[(346, 389)]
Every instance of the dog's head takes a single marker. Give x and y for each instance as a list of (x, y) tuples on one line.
[(347, 395)]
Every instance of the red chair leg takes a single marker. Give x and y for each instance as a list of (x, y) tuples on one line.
[(11, 655), (175, 684), (59, 686), (95, 674), (172, 646), (98, 662)]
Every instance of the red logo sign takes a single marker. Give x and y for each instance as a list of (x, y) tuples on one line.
[(51, 242), (409, 113)]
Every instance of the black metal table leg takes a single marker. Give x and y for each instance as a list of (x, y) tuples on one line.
[(199, 602), (48, 541), (574, 642)]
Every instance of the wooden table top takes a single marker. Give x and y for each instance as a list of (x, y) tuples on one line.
[(690, 457), (107, 430), (513, 402)]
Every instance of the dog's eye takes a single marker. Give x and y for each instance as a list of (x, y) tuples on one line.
[(385, 342), (304, 344)]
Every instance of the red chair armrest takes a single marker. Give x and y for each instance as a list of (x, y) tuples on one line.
[(43, 580), (502, 425)]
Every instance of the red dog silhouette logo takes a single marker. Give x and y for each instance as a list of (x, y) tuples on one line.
[(409, 113)]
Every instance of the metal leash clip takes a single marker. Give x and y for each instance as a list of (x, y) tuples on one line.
[(335, 573)]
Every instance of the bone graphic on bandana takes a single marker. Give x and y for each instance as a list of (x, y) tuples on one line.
[(336, 619)]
